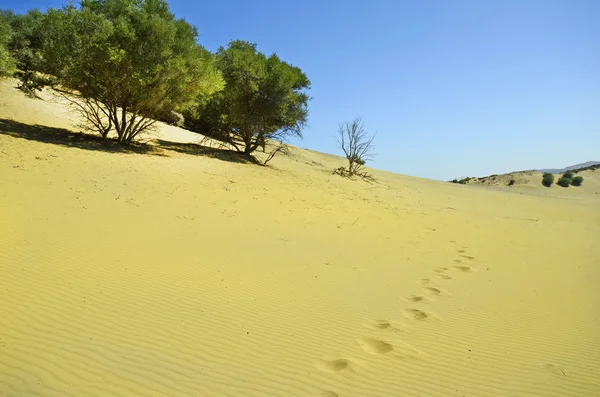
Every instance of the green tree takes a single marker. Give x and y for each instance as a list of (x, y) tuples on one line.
[(7, 62), (577, 181), (25, 48), (568, 174), (564, 182), (264, 99), (129, 61), (547, 179)]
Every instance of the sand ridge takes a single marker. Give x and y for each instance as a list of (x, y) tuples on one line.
[(175, 274)]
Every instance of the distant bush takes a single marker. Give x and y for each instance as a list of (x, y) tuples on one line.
[(577, 181), (462, 181), (568, 174), (547, 179), (564, 182), (511, 182)]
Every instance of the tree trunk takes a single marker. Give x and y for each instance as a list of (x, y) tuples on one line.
[(247, 137)]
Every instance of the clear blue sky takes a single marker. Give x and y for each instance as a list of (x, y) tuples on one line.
[(452, 88)]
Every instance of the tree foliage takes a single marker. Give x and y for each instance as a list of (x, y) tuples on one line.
[(547, 179), (264, 99), (7, 62), (130, 61), (25, 48), (462, 181), (577, 181), (568, 174), (564, 182), (356, 144)]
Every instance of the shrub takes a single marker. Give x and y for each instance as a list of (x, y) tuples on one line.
[(356, 144), (462, 181), (25, 46), (7, 62), (577, 181), (264, 99), (342, 171), (547, 179), (130, 61), (568, 174), (511, 182), (564, 182)]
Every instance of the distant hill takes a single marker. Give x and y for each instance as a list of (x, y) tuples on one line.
[(531, 178), (578, 167)]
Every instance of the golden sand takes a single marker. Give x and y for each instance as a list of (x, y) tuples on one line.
[(169, 273)]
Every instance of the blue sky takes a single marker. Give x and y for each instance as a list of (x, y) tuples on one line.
[(452, 88)]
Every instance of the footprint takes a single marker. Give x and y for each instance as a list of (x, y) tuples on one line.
[(384, 325), (433, 291), (417, 314), (416, 298), (444, 277), (461, 251), (375, 346), (333, 365), (468, 257), (457, 260), (440, 270), (379, 324), (424, 281), (466, 269), (554, 369), (329, 393)]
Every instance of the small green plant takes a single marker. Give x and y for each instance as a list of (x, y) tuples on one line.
[(547, 179), (511, 182), (564, 181), (577, 181), (568, 174)]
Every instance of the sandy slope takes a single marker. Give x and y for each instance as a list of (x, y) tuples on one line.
[(170, 274)]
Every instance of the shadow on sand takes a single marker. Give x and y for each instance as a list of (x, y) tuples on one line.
[(199, 150), (158, 147)]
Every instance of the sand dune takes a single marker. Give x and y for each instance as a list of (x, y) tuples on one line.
[(173, 274)]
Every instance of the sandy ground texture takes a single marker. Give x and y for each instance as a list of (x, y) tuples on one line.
[(177, 272)]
